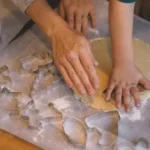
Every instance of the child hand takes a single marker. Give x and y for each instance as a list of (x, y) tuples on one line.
[(77, 13), (124, 80)]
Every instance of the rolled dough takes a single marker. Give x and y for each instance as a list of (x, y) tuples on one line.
[(103, 54)]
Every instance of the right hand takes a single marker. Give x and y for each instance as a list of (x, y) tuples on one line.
[(78, 13), (73, 57)]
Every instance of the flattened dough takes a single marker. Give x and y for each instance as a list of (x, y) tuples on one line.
[(103, 54)]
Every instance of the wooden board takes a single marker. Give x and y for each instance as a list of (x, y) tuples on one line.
[(10, 142)]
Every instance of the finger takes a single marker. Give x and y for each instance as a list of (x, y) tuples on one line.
[(85, 25), (70, 18), (93, 18), (146, 83), (65, 75), (89, 68), (118, 97), (78, 21), (82, 74), (95, 63), (72, 74), (61, 11), (136, 96), (110, 90), (126, 99)]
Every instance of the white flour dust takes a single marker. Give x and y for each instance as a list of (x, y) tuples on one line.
[(134, 115), (61, 103), (39, 135)]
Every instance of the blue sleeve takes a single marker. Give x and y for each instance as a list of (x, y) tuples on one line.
[(128, 1)]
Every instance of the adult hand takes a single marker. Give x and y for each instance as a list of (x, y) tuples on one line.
[(73, 57), (77, 14), (124, 80)]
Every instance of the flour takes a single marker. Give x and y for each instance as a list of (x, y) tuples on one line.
[(134, 115), (61, 103), (94, 31), (39, 135)]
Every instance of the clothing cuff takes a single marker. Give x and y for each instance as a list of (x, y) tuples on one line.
[(127, 1)]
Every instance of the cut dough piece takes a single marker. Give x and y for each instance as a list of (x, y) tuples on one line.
[(3, 69), (102, 52), (4, 78), (34, 61)]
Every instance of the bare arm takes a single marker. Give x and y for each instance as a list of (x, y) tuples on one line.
[(45, 17), (121, 26), (125, 75), (71, 51)]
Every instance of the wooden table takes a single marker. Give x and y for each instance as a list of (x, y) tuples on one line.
[(10, 142)]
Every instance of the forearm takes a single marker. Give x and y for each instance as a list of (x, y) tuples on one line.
[(121, 28), (46, 18)]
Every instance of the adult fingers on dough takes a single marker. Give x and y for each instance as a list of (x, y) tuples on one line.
[(89, 68), (126, 99), (95, 63), (136, 95), (81, 73), (74, 77), (66, 76), (118, 93)]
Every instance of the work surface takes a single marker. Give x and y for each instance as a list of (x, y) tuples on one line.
[(35, 41)]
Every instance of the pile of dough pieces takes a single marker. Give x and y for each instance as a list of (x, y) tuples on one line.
[(36, 110)]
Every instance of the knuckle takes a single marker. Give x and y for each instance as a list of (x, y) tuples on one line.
[(109, 90), (88, 86), (78, 21), (56, 63), (79, 85), (71, 8), (118, 93), (68, 82), (61, 60), (113, 80), (70, 20), (90, 7), (126, 94), (71, 56)]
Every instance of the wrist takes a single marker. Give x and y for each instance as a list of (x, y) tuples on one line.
[(57, 27), (46, 18), (123, 62)]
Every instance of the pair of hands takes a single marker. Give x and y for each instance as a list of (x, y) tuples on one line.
[(74, 59)]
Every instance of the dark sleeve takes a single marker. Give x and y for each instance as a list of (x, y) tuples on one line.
[(127, 1)]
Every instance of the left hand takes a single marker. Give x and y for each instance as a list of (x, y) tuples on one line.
[(124, 80), (77, 13)]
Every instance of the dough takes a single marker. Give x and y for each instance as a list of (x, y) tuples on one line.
[(103, 54)]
